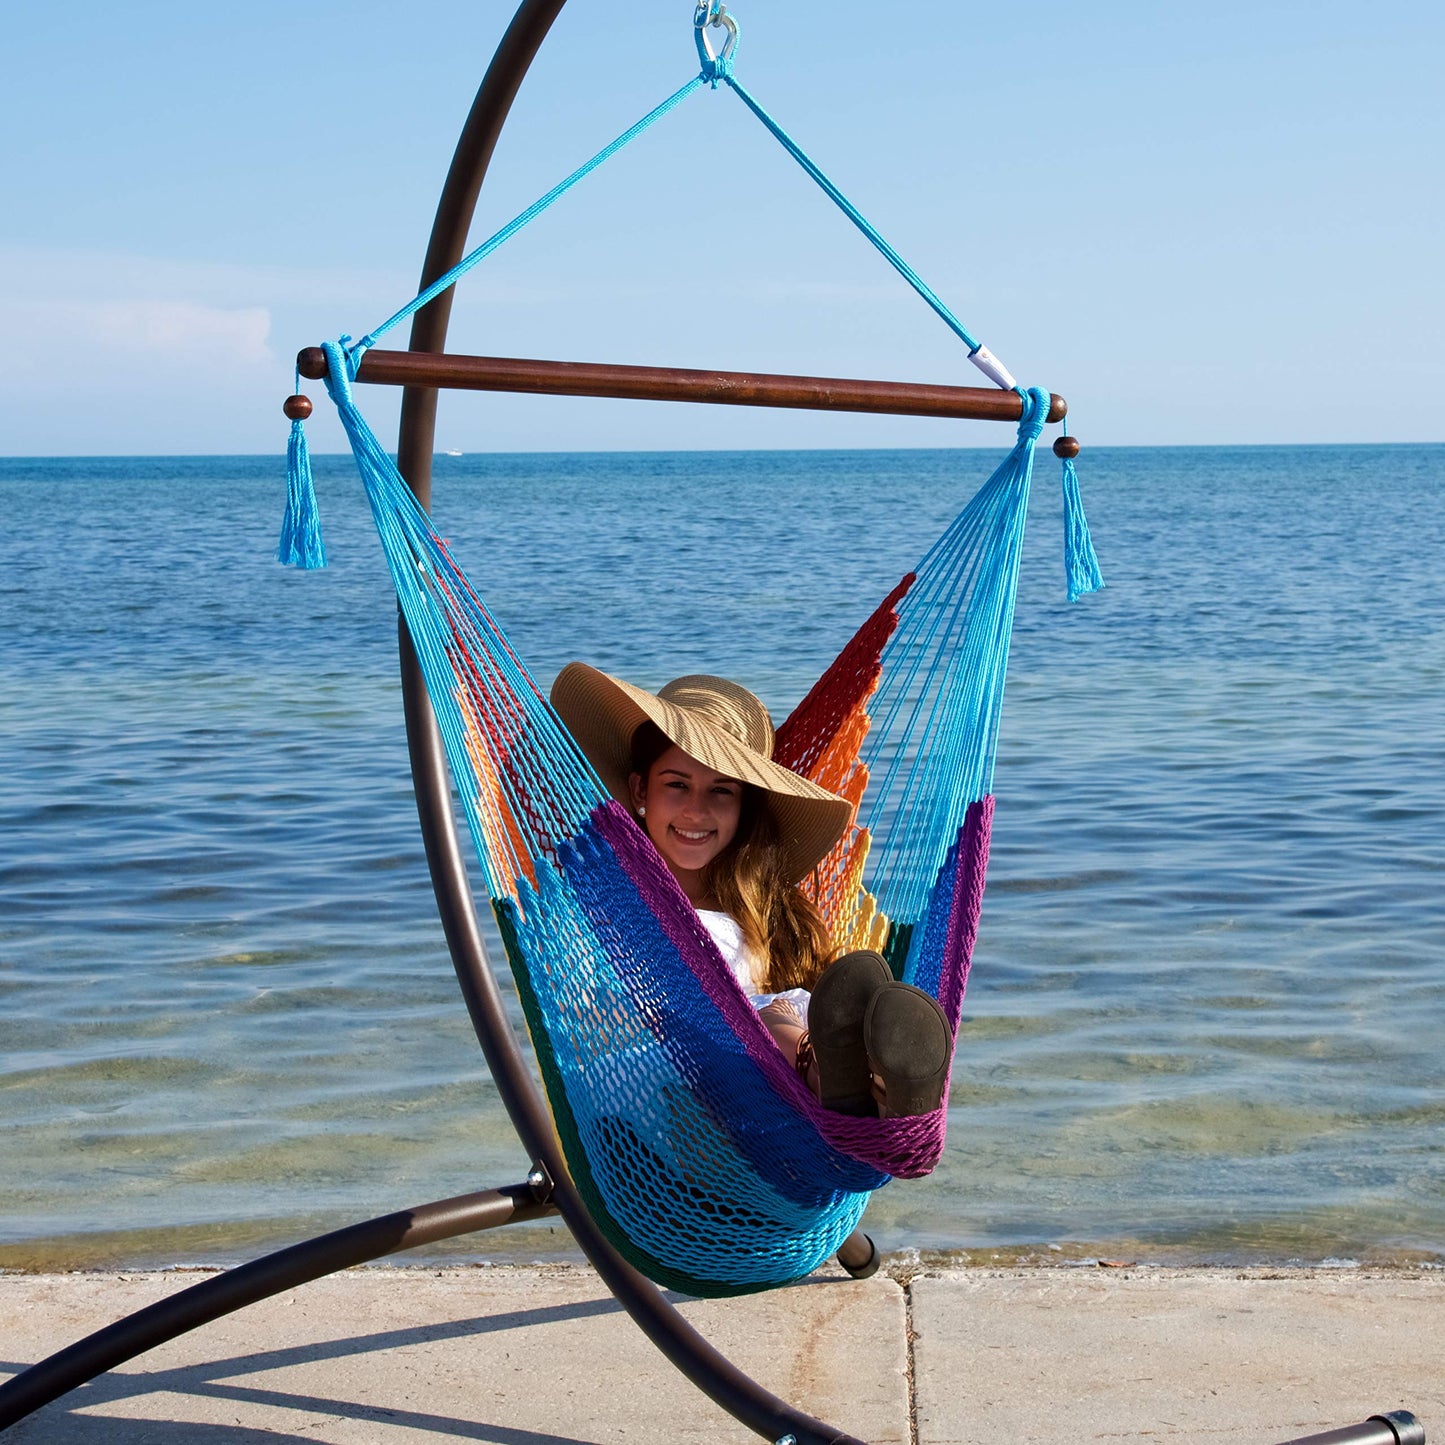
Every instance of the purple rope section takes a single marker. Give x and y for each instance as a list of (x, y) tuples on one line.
[(967, 905), (952, 955)]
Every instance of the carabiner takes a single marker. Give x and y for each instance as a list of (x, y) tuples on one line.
[(712, 15)]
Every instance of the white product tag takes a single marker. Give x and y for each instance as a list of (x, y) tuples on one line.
[(992, 368)]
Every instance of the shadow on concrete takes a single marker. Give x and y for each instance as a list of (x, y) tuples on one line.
[(64, 1423)]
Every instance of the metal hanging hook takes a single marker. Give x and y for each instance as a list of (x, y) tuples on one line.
[(713, 15)]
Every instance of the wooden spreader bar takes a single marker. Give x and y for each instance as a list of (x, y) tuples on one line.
[(669, 383)]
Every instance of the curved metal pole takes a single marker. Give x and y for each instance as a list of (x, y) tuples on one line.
[(260, 1279), (709, 1370), (1397, 1427)]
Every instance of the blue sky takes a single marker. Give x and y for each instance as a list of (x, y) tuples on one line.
[(1210, 224)]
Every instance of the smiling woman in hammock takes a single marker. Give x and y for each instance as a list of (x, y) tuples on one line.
[(738, 832)]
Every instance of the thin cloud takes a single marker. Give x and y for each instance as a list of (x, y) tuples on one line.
[(33, 273), (102, 334), (28, 273), (180, 328)]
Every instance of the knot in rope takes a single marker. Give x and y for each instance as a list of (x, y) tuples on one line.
[(1036, 412), (339, 371), (718, 70)]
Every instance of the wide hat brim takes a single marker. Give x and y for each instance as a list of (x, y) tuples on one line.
[(603, 712)]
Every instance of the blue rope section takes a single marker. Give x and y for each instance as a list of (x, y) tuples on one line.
[(715, 70), (358, 349), (461, 648), (855, 215), (930, 751)]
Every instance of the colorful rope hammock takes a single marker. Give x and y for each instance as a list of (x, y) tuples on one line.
[(701, 1154)]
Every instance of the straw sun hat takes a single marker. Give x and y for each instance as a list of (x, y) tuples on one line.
[(721, 725)]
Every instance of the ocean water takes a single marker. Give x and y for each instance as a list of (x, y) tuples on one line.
[(1208, 999)]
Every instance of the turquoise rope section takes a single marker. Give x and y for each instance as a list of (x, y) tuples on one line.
[(358, 349), (936, 713), (301, 535), (714, 71), (855, 215), (300, 544), (455, 635), (1081, 563)]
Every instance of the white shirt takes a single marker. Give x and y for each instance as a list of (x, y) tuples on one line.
[(728, 935)]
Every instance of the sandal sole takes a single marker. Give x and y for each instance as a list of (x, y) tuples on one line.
[(910, 1047)]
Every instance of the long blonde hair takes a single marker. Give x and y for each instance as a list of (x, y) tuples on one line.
[(781, 926)]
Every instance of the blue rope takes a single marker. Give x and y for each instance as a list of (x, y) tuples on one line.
[(856, 216), (714, 70), (435, 599), (1081, 563), (358, 349), (932, 745)]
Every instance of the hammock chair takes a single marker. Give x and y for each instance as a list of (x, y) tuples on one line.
[(698, 1151)]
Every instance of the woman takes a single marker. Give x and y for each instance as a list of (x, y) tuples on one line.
[(738, 832)]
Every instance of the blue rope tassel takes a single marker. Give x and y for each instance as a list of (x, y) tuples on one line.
[(1081, 563), (301, 544)]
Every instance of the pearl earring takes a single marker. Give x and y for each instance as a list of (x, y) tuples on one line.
[(642, 810)]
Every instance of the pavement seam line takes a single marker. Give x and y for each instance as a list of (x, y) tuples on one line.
[(910, 1370)]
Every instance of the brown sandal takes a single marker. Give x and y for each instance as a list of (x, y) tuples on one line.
[(803, 1056), (835, 1028), (909, 1047)]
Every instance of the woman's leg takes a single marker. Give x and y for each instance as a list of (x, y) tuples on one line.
[(785, 1024)]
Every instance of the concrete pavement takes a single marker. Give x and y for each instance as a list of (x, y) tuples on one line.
[(536, 1355)]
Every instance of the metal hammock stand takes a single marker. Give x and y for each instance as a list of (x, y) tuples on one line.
[(547, 1190)]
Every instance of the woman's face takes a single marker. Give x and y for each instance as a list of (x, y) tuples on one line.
[(690, 812)]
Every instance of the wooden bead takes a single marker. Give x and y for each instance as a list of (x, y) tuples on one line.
[(297, 407), (1066, 447), (311, 363)]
